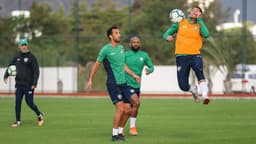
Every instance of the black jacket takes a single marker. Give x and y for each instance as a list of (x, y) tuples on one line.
[(27, 69)]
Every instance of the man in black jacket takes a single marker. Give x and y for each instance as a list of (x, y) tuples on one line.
[(25, 81)]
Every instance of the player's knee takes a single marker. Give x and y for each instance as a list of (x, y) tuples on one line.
[(136, 104), (184, 87), (135, 101), (127, 110), (119, 108)]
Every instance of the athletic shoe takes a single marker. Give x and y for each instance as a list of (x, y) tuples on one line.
[(115, 138), (133, 131), (121, 137), (40, 121), (206, 101), (16, 124), (195, 94)]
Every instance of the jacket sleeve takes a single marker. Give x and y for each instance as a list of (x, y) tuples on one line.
[(203, 28), (172, 30), (35, 68)]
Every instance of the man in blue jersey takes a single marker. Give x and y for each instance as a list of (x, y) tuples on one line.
[(112, 56), (136, 59)]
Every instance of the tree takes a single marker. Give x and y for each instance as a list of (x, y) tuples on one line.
[(55, 34)]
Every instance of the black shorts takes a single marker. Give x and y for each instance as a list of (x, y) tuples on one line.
[(133, 90), (119, 92)]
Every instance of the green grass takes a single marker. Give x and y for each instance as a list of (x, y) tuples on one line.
[(161, 121)]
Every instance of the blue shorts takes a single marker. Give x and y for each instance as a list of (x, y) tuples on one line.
[(184, 64), (134, 91), (119, 92)]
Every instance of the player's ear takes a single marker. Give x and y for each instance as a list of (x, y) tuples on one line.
[(110, 36)]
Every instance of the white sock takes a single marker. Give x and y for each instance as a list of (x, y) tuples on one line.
[(193, 89), (204, 89), (120, 130), (114, 131), (132, 121)]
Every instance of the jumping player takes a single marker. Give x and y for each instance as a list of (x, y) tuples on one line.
[(189, 40)]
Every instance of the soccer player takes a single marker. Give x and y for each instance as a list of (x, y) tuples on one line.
[(136, 59), (189, 40), (112, 56), (25, 81)]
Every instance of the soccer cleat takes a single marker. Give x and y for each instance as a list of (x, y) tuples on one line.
[(40, 121), (16, 124), (206, 101), (195, 94), (133, 131), (121, 137), (115, 138)]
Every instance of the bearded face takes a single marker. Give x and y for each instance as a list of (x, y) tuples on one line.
[(135, 43)]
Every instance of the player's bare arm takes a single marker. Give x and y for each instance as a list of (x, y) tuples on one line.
[(127, 70), (93, 72)]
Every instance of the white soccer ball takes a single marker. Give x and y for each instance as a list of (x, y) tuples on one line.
[(176, 15), (12, 70)]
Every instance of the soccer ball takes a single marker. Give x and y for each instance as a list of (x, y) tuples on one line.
[(176, 15), (12, 70)]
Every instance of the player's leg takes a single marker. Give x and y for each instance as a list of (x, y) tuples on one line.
[(117, 99), (118, 117), (183, 70), (127, 109), (197, 66), (18, 101), (124, 119), (134, 111), (29, 97)]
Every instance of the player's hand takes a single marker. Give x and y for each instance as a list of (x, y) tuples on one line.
[(89, 85), (170, 38), (5, 80), (198, 14), (137, 78), (147, 71), (33, 87)]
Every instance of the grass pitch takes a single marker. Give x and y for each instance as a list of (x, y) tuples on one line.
[(160, 121)]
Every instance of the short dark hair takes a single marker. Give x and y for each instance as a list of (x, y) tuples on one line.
[(109, 31), (198, 8)]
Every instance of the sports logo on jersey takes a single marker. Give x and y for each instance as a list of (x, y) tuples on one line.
[(119, 96), (141, 58), (184, 26), (121, 51), (25, 60)]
